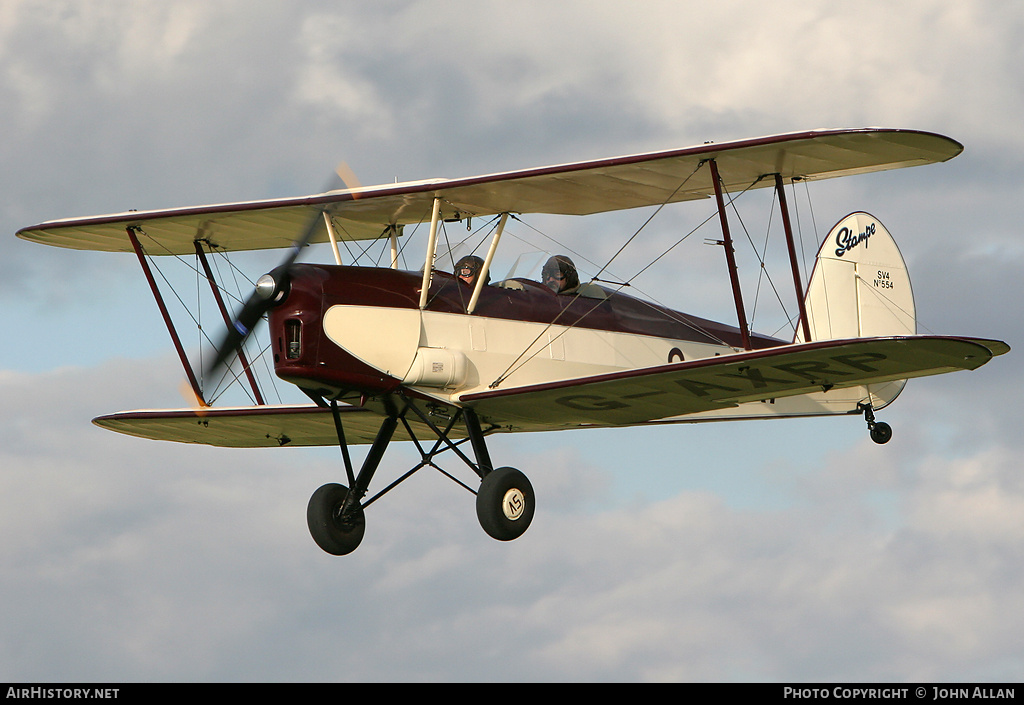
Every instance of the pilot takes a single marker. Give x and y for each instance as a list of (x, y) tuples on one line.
[(468, 268), (559, 275)]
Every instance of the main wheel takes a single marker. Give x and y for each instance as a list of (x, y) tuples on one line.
[(881, 432), (505, 504), (333, 533)]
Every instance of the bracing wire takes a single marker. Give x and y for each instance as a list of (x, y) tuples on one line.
[(487, 228), (238, 297), (219, 388), (761, 255), (519, 361)]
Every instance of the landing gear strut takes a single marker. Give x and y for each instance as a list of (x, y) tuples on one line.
[(334, 514), (880, 431), (505, 500)]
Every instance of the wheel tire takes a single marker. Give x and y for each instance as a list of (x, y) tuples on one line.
[(333, 535), (881, 433), (505, 504)]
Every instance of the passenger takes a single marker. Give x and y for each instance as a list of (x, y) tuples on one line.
[(468, 268), (559, 275)]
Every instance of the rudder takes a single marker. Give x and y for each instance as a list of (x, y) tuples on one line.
[(860, 288)]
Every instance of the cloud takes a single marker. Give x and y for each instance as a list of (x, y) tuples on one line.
[(162, 562)]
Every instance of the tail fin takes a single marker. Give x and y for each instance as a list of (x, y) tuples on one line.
[(859, 289)]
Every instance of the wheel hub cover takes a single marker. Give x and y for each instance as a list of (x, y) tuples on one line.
[(513, 504)]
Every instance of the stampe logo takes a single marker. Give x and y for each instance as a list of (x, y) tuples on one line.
[(846, 240)]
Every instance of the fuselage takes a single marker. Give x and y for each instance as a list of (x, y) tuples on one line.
[(359, 331)]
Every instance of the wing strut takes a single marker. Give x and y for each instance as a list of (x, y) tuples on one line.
[(428, 267), (193, 382), (787, 226), (393, 240), (201, 254), (333, 237), (730, 256), (482, 276)]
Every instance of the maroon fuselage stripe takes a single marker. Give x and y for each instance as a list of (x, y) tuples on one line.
[(316, 288)]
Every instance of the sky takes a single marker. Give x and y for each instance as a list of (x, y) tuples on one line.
[(782, 551)]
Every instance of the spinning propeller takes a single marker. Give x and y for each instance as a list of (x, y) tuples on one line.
[(272, 287)]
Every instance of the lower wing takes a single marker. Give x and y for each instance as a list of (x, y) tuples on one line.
[(697, 386), (617, 399)]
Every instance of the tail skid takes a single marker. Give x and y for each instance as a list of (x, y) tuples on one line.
[(860, 288)]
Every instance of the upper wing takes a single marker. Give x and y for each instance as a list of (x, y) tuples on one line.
[(649, 394), (570, 189)]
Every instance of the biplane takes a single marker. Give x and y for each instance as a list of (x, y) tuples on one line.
[(383, 353)]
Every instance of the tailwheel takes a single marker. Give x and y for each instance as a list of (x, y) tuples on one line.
[(505, 504), (880, 431), (335, 529)]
